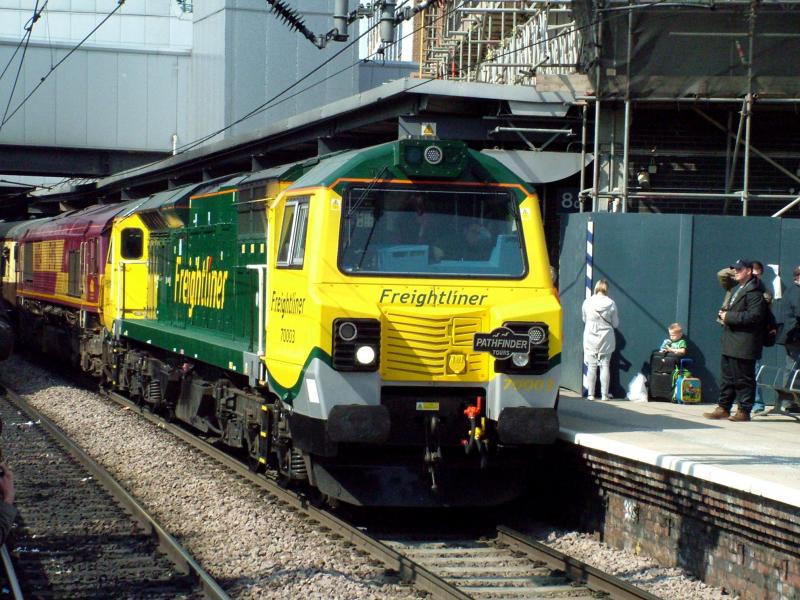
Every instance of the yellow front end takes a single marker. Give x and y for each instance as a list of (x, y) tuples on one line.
[(8, 271), (125, 281), (427, 325), (387, 371)]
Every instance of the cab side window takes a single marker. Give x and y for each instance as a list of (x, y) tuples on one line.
[(132, 243), (291, 251)]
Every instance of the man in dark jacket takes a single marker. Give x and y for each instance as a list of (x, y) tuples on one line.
[(789, 337), (742, 333)]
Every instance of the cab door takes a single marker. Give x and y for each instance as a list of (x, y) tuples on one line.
[(125, 285), (133, 272)]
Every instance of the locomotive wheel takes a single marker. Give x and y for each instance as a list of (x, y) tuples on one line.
[(282, 477), (169, 412)]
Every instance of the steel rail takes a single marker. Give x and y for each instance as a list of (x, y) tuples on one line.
[(407, 569), (168, 544), (575, 569), (11, 574)]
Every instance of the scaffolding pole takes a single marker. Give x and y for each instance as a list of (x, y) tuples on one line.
[(596, 163), (582, 184), (746, 181)]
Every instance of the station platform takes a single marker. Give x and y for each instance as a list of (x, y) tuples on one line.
[(761, 457)]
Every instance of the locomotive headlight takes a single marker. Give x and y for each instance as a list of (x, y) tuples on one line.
[(520, 360), (348, 331), (433, 155), (365, 355), (356, 344), (537, 334)]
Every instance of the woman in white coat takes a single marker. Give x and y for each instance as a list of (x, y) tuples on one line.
[(601, 319)]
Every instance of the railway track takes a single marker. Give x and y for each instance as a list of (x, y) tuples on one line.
[(508, 565), (79, 534)]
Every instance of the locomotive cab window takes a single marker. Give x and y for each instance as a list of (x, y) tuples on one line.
[(132, 243), (458, 233), (291, 251)]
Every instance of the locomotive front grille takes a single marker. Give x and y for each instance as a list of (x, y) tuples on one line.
[(431, 346)]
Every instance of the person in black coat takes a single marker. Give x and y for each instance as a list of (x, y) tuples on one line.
[(789, 335), (789, 338), (742, 337)]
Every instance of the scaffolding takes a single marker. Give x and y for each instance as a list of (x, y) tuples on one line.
[(614, 86), (498, 41), (634, 53)]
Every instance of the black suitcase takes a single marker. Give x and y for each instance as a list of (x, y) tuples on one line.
[(660, 387), (661, 368)]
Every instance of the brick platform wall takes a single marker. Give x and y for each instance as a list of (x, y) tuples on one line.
[(742, 543)]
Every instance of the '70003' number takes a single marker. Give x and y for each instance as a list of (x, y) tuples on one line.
[(287, 335)]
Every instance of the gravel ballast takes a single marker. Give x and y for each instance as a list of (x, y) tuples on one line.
[(254, 545)]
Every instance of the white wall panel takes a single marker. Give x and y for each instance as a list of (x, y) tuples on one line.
[(156, 30), (80, 24), (207, 103), (72, 117), (162, 90), (11, 23), (52, 26), (75, 6), (132, 101), (102, 98), (39, 112), (15, 128), (110, 32), (106, 6), (184, 99), (133, 30), (207, 8), (158, 7), (180, 31), (120, 90)]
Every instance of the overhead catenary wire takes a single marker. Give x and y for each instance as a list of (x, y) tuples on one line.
[(26, 38), (119, 5), (19, 70), (425, 81), (14, 54), (264, 105), (272, 102), (28, 28)]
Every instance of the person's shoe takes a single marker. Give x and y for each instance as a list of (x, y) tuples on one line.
[(739, 416), (590, 398), (794, 407), (717, 413), (604, 398), (758, 409)]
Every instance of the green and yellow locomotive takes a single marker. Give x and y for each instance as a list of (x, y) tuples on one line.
[(380, 323)]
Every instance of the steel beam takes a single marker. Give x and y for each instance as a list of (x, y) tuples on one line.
[(70, 162)]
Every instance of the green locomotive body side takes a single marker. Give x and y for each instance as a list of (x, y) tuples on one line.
[(205, 301)]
